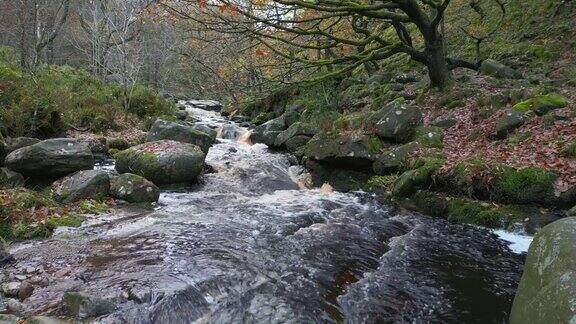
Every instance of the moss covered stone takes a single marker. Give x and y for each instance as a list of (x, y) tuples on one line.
[(396, 122), (162, 162), (530, 185), (118, 144), (429, 136), (547, 290), (506, 124), (354, 151), (395, 159), (541, 105), (412, 180), (168, 130)]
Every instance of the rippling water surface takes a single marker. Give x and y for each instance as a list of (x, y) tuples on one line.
[(248, 244)]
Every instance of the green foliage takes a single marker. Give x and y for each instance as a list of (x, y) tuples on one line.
[(49, 100), (384, 183), (569, 150), (320, 103), (144, 101), (93, 207), (525, 186), (118, 143)]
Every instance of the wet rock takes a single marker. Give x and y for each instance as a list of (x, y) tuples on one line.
[(353, 151), (89, 184), (11, 289), (211, 105), (268, 132), (508, 123), (230, 131), (26, 290), (134, 188), (8, 319), (499, 70), (51, 158), (45, 320), (167, 130), (396, 122), (395, 159), (83, 306), (295, 129), (548, 285), (162, 162), (206, 129), (9, 178)]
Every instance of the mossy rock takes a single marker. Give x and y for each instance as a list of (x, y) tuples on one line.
[(509, 122), (354, 121), (295, 129), (429, 136), (498, 70), (541, 105), (396, 122), (162, 162), (168, 130), (354, 151), (118, 144), (413, 180), (530, 185), (395, 159), (471, 177), (134, 188), (444, 121), (88, 184), (548, 285)]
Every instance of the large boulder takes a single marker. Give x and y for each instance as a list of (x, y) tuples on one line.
[(352, 151), (52, 158), (134, 188), (412, 180), (498, 70), (294, 130), (230, 131), (205, 129), (268, 132), (167, 130), (9, 178), (295, 143), (162, 162), (88, 184), (547, 290), (396, 122)]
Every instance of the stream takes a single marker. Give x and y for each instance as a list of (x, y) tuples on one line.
[(250, 244)]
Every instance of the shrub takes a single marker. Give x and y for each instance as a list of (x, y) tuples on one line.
[(143, 101)]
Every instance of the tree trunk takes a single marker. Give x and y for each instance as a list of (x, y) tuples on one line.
[(438, 70)]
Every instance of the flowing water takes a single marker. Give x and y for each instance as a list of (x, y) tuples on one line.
[(250, 244)]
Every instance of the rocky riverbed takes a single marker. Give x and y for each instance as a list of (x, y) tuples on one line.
[(251, 243)]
